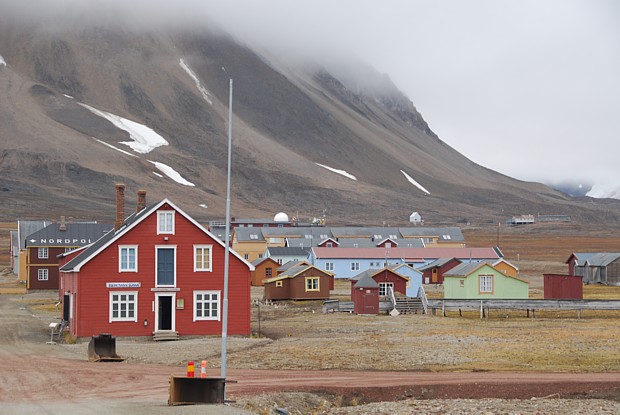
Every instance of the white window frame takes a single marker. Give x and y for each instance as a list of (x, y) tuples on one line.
[(120, 258), (329, 266), (355, 266), (162, 225), (43, 274), (210, 301), (383, 288), (485, 284), (127, 302), (43, 253), (174, 247), (201, 267)]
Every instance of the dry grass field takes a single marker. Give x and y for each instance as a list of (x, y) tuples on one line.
[(298, 336)]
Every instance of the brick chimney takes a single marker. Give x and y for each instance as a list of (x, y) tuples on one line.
[(141, 200), (62, 226), (120, 206)]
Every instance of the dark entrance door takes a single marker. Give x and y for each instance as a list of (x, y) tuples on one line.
[(165, 312), (66, 307)]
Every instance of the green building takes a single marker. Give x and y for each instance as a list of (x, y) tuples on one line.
[(482, 281)]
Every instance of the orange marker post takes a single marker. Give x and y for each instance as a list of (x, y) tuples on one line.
[(190, 369), (203, 369)]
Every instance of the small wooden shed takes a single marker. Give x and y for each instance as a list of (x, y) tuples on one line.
[(263, 268), (365, 296), (299, 282), (563, 286), (433, 272)]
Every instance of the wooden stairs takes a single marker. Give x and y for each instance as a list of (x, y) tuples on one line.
[(165, 335)]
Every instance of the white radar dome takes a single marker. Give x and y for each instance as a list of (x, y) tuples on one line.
[(280, 217)]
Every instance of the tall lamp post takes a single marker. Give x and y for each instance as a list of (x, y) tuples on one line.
[(227, 239)]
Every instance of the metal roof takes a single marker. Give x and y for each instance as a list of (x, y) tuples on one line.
[(288, 251), (440, 262), (366, 282), (25, 228), (596, 259), (75, 234), (406, 253)]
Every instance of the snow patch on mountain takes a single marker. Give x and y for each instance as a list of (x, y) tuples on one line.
[(145, 139), (172, 173), (605, 191), (340, 172), (205, 94), (416, 184), (113, 147), (2, 61)]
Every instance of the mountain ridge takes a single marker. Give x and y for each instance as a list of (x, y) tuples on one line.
[(287, 120)]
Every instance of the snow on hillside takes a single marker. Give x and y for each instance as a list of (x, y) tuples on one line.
[(600, 191), (145, 139), (416, 184), (172, 173), (2, 61), (115, 148), (340, 172), (202, 89)]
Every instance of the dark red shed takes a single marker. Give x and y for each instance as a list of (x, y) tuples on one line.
[(365, 296), (563, 286)]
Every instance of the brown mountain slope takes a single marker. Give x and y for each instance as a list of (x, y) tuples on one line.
[(56, 155)]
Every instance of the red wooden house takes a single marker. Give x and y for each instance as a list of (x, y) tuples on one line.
[(432, 273), (387, 279), (156, 273)]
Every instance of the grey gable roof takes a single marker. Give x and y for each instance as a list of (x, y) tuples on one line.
[(597, 259), (440, 262), (366, 282), (87, 254), (249, 235), (463, 270), (76, 234), (288, 251)]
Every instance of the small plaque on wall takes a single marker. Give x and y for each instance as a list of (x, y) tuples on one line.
[(180, 303)]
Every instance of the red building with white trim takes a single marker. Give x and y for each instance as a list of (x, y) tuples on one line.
[(159, 273)]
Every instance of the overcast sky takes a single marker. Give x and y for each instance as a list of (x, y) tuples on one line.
[(530, 88)]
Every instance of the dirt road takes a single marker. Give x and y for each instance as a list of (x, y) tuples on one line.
[(36, 377)]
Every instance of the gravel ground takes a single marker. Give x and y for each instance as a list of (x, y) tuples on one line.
[(304, 403), (298, 336)]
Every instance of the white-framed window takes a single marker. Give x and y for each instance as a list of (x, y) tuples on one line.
[(275, 240), (43, 274), (486, 283), (206, 305), (43, 253), (278, 283), (202, 257), (123, 306), (127, 258), (268, 272), (279, 261), (312, 284), (246, 256), (260, 256), (355, 266), (329, 245), (329, 266), (385, 288), (165, 222)]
